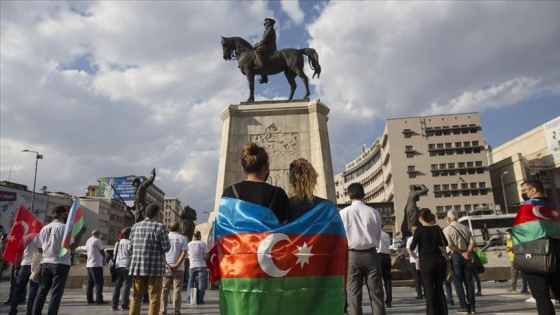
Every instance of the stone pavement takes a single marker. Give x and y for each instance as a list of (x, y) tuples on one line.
[(495, 300)]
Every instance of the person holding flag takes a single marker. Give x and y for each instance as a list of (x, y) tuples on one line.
[(56, 258), (20, 248), (539, 218)]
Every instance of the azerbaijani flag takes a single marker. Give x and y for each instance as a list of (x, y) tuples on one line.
[(25, 228), (536, 220), (74, 224), (269, 268)]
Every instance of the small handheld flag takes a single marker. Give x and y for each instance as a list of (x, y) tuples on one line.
[(74, 224)]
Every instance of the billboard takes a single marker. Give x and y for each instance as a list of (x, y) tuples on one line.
[(11, 198), (118, 187), (552, 135)]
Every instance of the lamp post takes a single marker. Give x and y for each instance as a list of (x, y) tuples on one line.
[(37, 158), (504, 189)]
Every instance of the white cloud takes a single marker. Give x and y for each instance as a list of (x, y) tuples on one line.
[(293, 10)]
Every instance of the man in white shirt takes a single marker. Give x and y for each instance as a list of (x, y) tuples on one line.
[(363, 229), (54, 268), (385, 260), (94, 265), (175, 267), (198, 255), (416, 276)]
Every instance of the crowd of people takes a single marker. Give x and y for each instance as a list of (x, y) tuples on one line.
[(151, 260)]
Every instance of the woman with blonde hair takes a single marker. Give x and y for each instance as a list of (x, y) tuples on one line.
[(255, 189), (303, 179)]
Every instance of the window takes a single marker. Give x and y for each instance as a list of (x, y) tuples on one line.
[(445, 186), (439, 209), (451, 165), (434, 166), (454, 186), (458, 144), (482, 185), (102, 223), (467, 208), (470, 164), (467, 143), (440, 145), (473, 185), (478, 163), (465, 186), (407, 133), (448, 145), (103, 210), (475, 143), (442, 166), (457, 208), (431, 146), (447, 208), (411, 168), (437, 187), (461, 164)]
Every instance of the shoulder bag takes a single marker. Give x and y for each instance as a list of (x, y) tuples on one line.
[(536, 256), (448, 260), (113, 264)]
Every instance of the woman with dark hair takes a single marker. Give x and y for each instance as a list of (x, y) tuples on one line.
[(122, 263), (303, 179), (431, 244), (254, 189)]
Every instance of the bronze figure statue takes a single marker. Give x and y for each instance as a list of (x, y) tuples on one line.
[(265, 48), (265, 60), (411, 209), (188, 216), (137, 210)]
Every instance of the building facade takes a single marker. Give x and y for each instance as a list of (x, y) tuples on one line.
[(534, 154), (172, 210), (446, 153)]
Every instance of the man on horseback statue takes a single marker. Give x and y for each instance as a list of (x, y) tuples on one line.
[(265, 48)]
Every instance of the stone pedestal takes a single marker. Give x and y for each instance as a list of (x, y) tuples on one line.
[(287, 131)]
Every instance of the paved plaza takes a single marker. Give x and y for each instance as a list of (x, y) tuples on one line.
[(495, 300)]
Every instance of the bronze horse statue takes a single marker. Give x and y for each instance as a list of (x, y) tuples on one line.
[(289, 60)]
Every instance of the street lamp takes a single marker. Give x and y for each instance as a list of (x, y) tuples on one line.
[(37, 158), (504, 189)]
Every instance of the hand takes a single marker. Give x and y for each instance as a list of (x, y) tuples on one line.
[(154, 171), (465, 255)]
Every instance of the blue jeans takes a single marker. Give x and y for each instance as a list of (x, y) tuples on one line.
[(463, 281), (95, 278), (21, 288), (447, 290), (52, 276), (200, 275), (123, 278)]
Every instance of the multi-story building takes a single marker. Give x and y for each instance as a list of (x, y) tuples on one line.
[(171, 210), (534, 154), (446, 153)]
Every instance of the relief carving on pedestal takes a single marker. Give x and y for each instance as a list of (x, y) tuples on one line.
[(276, 142)]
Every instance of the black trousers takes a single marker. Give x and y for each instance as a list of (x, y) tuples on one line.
[(542, 284), (385, 260), (432, 269)]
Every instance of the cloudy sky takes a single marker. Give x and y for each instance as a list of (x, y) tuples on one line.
[(116, 88)]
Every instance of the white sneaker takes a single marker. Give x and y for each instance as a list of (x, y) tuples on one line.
[(531, 300)]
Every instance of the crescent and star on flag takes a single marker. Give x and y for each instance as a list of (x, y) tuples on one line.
[(264, 254), (547, 213)]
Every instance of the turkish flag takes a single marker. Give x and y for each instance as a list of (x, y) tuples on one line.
[(26, 227), (213, 263)]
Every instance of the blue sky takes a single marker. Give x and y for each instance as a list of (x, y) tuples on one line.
[(116, 88)]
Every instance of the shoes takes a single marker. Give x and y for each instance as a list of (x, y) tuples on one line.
[(124, 308), (524, 292), (115, 309), (90, 302), (419, 297), (478, 293), (101, 302), (450, 302), (531, 300), (511, 290), (463, 311), (388, 304)]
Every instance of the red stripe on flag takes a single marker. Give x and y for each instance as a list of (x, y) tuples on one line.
[(533, 212), (294, 256)]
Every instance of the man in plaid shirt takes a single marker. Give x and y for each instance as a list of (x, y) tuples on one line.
[(149, 241)]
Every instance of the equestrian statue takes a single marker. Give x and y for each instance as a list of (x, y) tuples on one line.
[(265, 60)]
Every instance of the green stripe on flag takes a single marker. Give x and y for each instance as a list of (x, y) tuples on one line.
[(534, 230), (310, 295)]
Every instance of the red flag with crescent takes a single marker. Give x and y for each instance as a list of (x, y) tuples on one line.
[(213, 264), (25, 228)]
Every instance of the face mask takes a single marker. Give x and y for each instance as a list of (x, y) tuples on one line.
[(525, 196), (508, 237)]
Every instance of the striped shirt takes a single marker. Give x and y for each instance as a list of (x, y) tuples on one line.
[(149, 241)]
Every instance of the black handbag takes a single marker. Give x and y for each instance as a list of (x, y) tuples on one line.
[(536, 256), (113, 264)]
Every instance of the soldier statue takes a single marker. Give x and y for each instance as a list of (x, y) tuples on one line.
[(140, 204), (411, 209)]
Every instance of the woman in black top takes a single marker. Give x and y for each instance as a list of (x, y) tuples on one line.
[(430, 240), (254, 189), (303, 179)]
